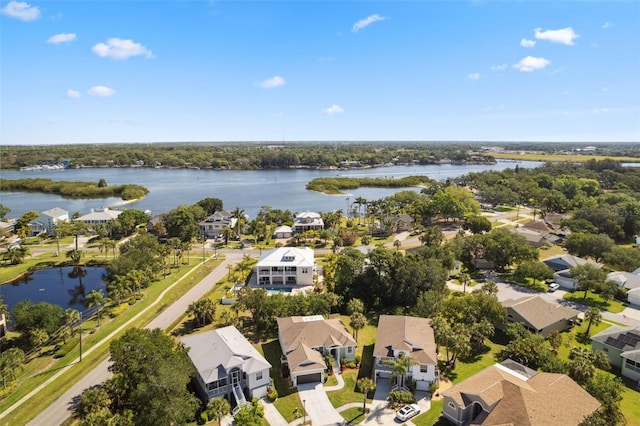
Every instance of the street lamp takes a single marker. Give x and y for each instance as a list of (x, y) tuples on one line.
[(304, 411), (80, 333)]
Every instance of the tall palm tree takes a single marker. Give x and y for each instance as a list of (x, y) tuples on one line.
[(38, 337), (71, 318), (358, 321), (204, 311), (238, 213), (400, 368), (365, 385), (96, 298), (592, 316)]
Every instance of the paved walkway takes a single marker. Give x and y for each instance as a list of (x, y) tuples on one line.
[(317, 405)]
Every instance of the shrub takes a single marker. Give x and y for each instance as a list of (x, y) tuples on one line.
[(404, 397), (358, 359), (66, 348), (272, 394), (433, 387), (350, 364), (119, 309)]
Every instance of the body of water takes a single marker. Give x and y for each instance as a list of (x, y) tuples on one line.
[(246, 189), (65, 287)]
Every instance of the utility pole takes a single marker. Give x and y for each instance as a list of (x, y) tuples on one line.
[(80, 332)]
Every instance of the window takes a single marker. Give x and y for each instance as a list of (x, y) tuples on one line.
[(259, 375), (424, 368), (350, 349), (305, 270), (452, 406)]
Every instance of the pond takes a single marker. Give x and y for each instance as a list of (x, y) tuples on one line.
[(65, 287)]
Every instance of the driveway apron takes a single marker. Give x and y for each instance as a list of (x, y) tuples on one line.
[(318, 408)]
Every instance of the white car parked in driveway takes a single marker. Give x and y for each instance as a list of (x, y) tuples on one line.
[(408, 411), (553, 287)]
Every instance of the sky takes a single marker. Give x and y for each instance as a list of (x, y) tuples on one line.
[(190, 71)]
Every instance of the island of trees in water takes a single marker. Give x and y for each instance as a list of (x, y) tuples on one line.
[(66, 189)]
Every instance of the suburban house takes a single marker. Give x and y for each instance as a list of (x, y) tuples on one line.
[(622, 346), (154, 223), (633, 296), (101, 216), (562, 264), (411, 336), (283, 231), (286, 266), (308, 221), (306, 340), (398, 223), (626, 280), (538, 315), (212, 226), (47, 221), (534, 238), (509, 393), (227, 365)]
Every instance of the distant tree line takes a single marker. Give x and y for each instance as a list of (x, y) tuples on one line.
[(238, 156), (74, 189)]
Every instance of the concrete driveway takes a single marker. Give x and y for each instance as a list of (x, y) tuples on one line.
[(380, 415), (316, 404)]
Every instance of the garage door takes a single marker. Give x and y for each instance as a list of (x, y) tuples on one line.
[(309, 378)]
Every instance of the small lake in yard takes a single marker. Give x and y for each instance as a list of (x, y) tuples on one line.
[(65, 287)]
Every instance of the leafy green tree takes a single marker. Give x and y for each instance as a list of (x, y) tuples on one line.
[(4, 211), (92, 400), (37, 338), (589, 245), (536, 270), (525, 347), (623, 258), (210, 205), (16, 255), (477, 224), (432, 236), (11, 360), (607, 389), (28, 316), (182, 222), (358, 321), (400, 368), (455, 202), (250, 415), (217, 408), (588, 277), (430, 302), (365, 385), (504, 248), (152, 372), (22, 224)]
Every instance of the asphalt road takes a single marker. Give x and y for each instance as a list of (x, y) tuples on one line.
[(61, 409)]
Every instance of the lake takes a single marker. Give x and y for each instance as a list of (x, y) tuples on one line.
[(64, 287), (247, 189)]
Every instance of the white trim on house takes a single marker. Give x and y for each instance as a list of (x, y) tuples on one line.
[(288, 266)]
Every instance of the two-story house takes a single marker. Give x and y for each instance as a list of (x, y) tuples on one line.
[(227, 366), (289, 266), (212, 226), (308, 221), (47, 221), (406, 336)]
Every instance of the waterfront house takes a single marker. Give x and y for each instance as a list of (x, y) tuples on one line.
[(406, 336), (100, 216), (308, 221), (227, 366), (621, 344), (289, 266), (538, 315), (212, 226), (306, 340), (47, 221), (509, 393)]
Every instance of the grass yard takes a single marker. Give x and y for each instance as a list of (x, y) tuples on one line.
[(595, 300), (630, 404), (348, 393), (550, 251), (431, 417), (330, 380), (353, 415)]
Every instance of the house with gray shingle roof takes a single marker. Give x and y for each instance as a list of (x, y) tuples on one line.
[(48, 219), (562, 264), (306, 340), (538, 315), (622, 346), (512, 394), (227, 365), (412, 337)]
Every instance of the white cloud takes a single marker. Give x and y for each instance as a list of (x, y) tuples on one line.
[(527, 43), (21, 10), (531, 63), (333, 109), (366, 22), (601, 110), (606, 25), (273, 82), (474, 76), (564, 35), (117, 48), (73, 94), (500, 67), (61, 38), (102, 91)]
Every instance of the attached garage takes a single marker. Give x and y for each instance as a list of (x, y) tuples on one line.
[(309, 378)]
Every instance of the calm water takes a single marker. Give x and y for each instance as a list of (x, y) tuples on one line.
[(249, 190), (59, 286)]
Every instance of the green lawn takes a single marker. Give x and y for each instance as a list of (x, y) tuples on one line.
[(431, 417), (353, 415), (348, 393), (595, 300)]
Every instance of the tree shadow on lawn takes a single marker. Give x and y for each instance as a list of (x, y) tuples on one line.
[(583, 338), (366, 363), (272, 353)]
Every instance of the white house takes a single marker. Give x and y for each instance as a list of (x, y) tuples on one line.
[(48, 219), (286, 266), (100, 216), (212, 226), (622, 346), (412, 337), (227, 364), (633, 296), (308, 221), (283, 231), (304, 342)]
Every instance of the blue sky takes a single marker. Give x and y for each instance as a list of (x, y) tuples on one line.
[(161, 71)]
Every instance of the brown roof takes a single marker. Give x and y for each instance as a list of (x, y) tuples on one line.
[(513, 398), (538, 225), (539, 313), (303, 358), (314, 332), (408, 334)]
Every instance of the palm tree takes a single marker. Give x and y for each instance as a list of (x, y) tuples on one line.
[(465, 279), (593, 316), (95, 298), (397, 244), (137, 278), (38, 337), (16, 255), (358, 321), (355, 305), (204, 311), (226, 233), (217, 408), (71, 318), (105, 245), (238, 213), (400, 367), (360, 201), (365, 385), (185, 247)]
